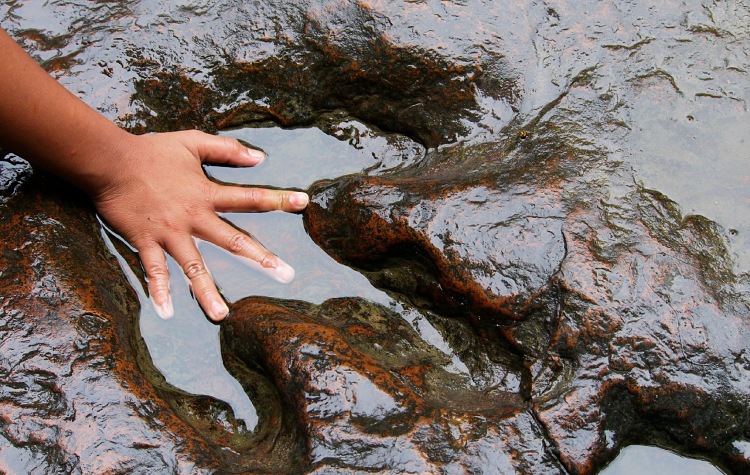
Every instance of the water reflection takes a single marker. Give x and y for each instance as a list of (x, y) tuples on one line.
[(698, 156), (186, 349), (19, 459), (299, 157), (643, 460), (318, 276)]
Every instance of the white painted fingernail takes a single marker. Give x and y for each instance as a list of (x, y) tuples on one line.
[(168, 308), (158, 310), (219, 309), (299, 199), (284, 272)]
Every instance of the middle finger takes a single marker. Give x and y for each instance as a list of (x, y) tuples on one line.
[(242, 199)]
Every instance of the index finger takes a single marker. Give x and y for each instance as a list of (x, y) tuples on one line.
[(215, 149)]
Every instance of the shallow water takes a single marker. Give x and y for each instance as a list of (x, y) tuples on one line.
[(699, 158), (296, 157), (674, 77), (18, 460), (293, 157), (644, 460)]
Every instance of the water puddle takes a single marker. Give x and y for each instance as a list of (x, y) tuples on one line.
[(186, 348), (644, 460), (699, 157), (299, 157), (20, 459)]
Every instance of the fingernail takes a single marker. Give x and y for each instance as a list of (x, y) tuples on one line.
[(284, 272), (168, 308), (165, 310), (255, 154), (299, 199), (219, 309)]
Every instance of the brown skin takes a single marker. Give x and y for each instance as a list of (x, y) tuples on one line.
[(125, 175)]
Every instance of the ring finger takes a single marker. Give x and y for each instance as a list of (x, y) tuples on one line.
[(202, 284)]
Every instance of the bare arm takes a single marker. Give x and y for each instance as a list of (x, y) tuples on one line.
[(150, 188)]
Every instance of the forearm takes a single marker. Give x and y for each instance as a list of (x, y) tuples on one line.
[(53, 129)]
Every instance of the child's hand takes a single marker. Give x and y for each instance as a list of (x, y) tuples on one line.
[(158, 198), (150, 188)]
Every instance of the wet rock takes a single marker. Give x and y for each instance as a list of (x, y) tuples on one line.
[(372, 395), (493, 250), (71, 391), (626, 313), (13, 172), (550, 309), (78, 393), (397, 66)]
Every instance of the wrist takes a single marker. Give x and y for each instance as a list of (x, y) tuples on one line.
[(97, 165)]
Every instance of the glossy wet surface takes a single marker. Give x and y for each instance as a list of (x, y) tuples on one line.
[(641, 460), (699, 158), (529, 248), (298, 153), (186, 348)]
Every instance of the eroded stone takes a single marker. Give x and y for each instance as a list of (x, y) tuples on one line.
[(551, 307)]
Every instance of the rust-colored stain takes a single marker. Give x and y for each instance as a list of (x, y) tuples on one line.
[(550, 310)]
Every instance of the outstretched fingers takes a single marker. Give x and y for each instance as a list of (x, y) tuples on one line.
[(240, 199), (202, 284), (157, 275), (247, 249), (215, 149)]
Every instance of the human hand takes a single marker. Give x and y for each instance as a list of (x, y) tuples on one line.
[(150, 188), (159, 199)]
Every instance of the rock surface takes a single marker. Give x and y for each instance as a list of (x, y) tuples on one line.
[(624, 314), (549, 306), (73, 399)]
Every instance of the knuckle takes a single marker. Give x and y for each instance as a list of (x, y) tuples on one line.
[(195, 209), (194, 269), (193, 134), (267, 259), (209, 190), (188, 136), (237, 243), (232, 144), (253, 195), (261, 255), (156, 272)]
